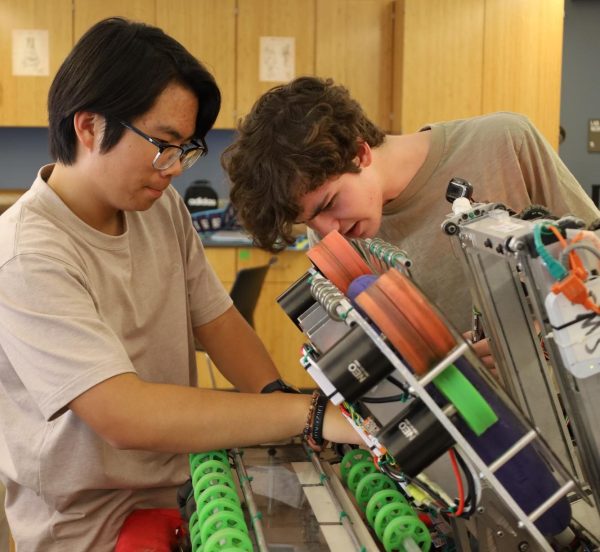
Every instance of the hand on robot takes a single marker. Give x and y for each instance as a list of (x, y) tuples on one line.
[(337, 429), (482, 350)]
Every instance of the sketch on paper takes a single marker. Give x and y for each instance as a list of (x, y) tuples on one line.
[(30, 55), (277, 59)]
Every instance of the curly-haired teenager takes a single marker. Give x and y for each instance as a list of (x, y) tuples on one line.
[(308, 153)]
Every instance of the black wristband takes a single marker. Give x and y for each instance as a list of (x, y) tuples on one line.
[(278, 385), (318, 418)]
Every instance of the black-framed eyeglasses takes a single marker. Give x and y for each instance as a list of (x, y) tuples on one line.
[(168, 154)]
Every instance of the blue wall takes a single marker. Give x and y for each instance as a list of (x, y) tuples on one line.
[(24, 150), (580, 92)]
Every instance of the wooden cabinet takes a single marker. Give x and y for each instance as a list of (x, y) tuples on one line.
[(86, 13), (438, 52), (408, 62), (281, 337), (271, 18), (523, 60), (347, 40), (460, 59), (23, 99), (207, 29), (354, 47)]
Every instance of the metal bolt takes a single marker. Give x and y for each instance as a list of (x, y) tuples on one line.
[(500, 533), (480, 510), (523, 546)]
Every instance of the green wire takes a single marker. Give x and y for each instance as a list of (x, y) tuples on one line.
[(557, 271)]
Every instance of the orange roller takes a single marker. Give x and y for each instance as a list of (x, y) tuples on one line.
[(399, 330), (337, 260), (409, 300)]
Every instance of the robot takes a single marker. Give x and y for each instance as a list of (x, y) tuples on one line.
[(520, 451)]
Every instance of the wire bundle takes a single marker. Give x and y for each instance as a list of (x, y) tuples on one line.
[(218, 522)]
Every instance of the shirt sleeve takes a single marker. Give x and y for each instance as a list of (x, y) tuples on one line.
[(550, 181), (52, 334)]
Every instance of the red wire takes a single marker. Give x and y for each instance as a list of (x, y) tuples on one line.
[(459, 484)]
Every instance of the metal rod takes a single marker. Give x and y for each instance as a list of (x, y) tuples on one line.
[(518, 446), (324, 478), (249, 498), (441, 366), (551, 501)]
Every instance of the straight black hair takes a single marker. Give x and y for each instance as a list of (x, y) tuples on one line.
[(118, 68)]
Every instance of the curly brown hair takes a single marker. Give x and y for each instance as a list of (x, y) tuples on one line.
[(296, 137)]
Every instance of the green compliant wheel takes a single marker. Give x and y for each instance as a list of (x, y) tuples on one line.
[(216, 506), (389, 512), (369, 485), (193, 525), (350, 459), (222, 520), (196, 540), (380, 499), (210, 479), (405, 527), (218, 491), (198, 457), (225, 539), (358, 471), (210, 466)]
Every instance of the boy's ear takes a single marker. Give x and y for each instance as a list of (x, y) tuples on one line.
[(88, 128), (364, 155)]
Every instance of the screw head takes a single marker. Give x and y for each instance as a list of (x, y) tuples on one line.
[(523, 546)]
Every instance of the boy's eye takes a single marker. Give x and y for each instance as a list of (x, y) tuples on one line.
[(329, 205)]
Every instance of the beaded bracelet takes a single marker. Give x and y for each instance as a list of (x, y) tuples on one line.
[(313, 431)]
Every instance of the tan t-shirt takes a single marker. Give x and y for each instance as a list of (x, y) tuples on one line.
[(77, 307), (507, 161)]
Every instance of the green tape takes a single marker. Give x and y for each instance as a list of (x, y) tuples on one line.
[(472, 407)]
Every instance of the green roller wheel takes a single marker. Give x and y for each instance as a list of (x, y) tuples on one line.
[(350, 459), (358, 471), (216, 506), (210, 479), (226, 539), (406, 527), (369, 485), (472, 407), (196, 539), (218, 491), (193, 524), (197, 458), (380, 499), (222, 520), (210, 466), (389, 512)]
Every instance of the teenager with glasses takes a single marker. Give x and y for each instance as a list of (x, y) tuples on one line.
[(104, 288)]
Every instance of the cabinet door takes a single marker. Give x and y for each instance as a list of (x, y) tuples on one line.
[(438, 56), (279, 334), (23, 99), (87, 13), (207, 29), (271, 18), (222, 260), (523, 60), (281, 337), (354, 47)]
